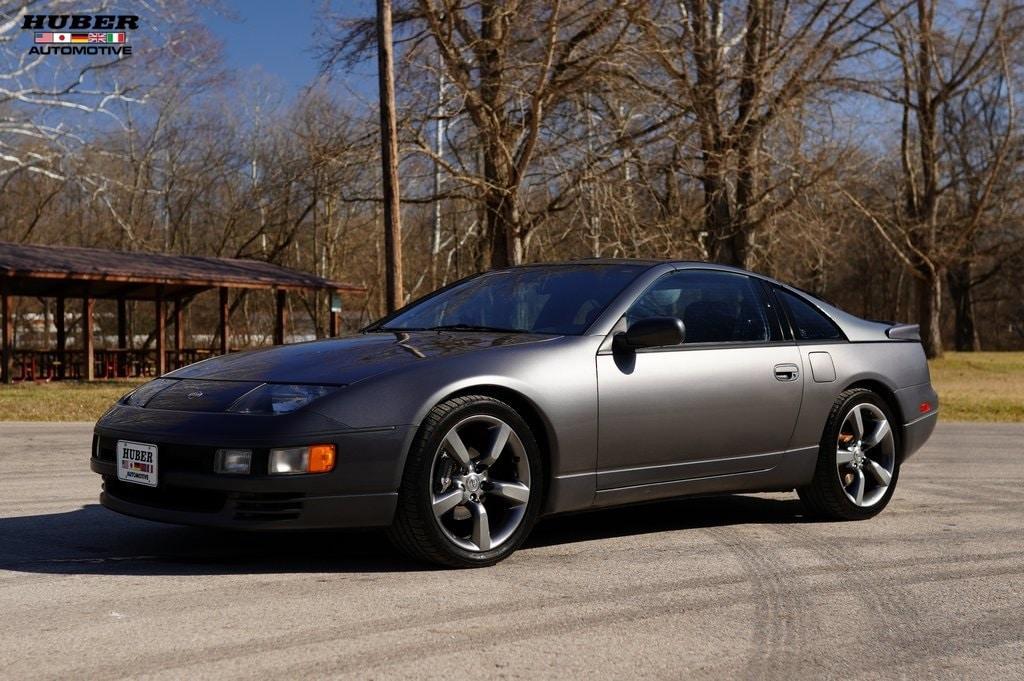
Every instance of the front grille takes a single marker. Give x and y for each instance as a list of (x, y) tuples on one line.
[(264, 506), (167, 496)]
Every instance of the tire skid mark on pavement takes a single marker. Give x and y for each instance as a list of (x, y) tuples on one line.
[(997, 628), (221, 594), (456, 617), (964, 498), (773, 629), (466, 639), (888, 601)]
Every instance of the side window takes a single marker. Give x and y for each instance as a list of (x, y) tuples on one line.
[(809, 324), (715, 307)]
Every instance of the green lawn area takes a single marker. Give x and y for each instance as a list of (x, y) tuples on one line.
[(980, 386), (972, 386), (68, 401)]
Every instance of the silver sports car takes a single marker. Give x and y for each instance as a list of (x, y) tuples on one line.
[(460, 419)]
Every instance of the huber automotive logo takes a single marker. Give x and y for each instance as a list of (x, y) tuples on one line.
[(88, 34)]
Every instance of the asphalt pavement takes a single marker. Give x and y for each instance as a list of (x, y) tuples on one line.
[(729, 587)]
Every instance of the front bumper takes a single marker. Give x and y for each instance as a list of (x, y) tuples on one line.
[(360, 492), (245, 510)]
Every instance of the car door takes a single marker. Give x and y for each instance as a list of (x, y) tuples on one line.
[(723, 402)]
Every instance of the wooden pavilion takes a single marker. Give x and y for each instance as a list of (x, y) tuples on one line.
[(88, 274)]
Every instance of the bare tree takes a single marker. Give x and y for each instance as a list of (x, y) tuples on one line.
[(738, 70), (939, 62)]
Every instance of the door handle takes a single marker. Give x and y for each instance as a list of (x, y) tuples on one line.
[(787, 372)]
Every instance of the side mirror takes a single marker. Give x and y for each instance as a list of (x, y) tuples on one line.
[(653, 332)]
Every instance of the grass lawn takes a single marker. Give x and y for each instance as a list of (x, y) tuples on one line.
[(980, 386), (972, 386), (68, 401)]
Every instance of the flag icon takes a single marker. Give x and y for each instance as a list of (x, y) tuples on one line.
[(69, 38), (53, 37), (107, 38)]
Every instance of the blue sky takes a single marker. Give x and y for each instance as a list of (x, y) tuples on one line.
[(278, 39)]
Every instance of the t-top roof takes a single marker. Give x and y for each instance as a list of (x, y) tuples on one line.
[(71, 270)]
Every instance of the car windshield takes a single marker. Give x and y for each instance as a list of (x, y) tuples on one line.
[(562, 300)]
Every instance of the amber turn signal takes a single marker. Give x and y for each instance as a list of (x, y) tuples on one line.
[(321, 458)]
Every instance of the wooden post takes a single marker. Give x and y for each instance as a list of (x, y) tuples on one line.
[(161, 333), (225, 345), (335, 323), (389, 158), (8, 337), (280, 318), (122, 337), (62, 338), (179, 331), (88, 308), (334, 312)]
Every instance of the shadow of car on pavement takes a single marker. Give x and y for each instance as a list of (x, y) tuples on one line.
[(94, 540)]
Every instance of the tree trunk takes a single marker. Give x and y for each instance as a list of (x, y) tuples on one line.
[(718, 217), (929, 312), (961, 290), (499, 254)]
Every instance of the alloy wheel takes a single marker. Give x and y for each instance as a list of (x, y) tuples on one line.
[(480, 483), (865, 455)]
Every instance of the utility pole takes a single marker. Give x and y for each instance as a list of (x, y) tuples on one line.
[(389, 158)]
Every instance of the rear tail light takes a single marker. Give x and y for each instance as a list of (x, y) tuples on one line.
[(924, 407)]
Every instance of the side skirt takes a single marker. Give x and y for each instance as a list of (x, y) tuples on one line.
[(793, 468)]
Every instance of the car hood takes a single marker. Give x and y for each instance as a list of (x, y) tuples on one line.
[(341, 361)]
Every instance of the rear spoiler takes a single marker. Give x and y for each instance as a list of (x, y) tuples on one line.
[(909, 332)]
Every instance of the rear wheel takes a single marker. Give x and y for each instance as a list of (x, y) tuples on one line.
[(857, 464), (472, 485)]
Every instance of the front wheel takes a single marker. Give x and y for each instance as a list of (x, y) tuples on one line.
[(472, 485), (857, 464)]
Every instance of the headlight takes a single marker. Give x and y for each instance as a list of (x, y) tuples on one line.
[(233, 461), (144, 393), (296, 460), (273, 398)]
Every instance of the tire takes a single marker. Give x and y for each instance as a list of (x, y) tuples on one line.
[(462, 474), (838, 483)]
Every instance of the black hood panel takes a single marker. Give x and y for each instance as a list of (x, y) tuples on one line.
[(340, 361), (192, 395)]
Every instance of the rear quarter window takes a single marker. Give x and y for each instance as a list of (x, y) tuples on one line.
[(809, 323)]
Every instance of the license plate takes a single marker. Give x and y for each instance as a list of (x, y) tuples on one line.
[(136, 462)]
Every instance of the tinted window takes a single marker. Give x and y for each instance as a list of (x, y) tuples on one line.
[(558, 300), (808, 323), (715, 307)]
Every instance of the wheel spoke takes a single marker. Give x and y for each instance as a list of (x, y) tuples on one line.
[(447, 502), (457, 448), (879, 433), (858, 493), (500, 440), (879, 473), (513, 491), (481, 526), (844, 456), (858, 422)]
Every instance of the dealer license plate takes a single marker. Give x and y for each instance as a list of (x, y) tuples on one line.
[(136, 462)]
